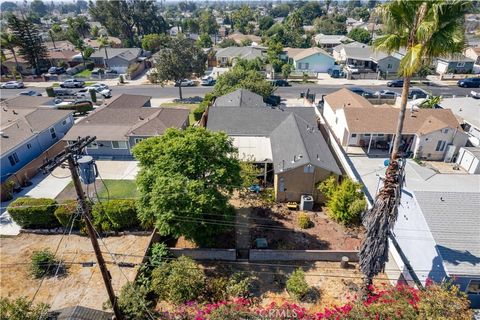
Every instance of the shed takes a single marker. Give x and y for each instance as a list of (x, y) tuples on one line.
[(469, 159)]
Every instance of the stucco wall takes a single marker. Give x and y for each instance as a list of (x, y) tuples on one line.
[(336, 121), (425, 145), (383, 64)]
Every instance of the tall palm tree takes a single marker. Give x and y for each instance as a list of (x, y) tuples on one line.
[(9, 41), (103, 41), (425, 29), (51, 33), (82, 26)]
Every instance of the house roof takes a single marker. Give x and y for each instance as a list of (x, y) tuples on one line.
[(19, 125), (331, 38), (25, 102), (452, 218), (456, 58), (353, 44), (62, 54), (79, 313), (240, 98), (358, 53), (300, 53), (127, 54), (384, 120), (346, 98), (466, 108), (127, 116), (292, 132), (248, 53), (239, 37)]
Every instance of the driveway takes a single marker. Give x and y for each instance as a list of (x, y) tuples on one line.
[(49, 186)]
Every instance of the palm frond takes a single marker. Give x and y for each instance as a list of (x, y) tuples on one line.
[(412, 60)]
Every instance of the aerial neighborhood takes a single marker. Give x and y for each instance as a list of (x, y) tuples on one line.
[(240, 159)]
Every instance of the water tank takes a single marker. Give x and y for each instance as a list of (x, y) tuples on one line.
[(87, 169), (306, 203)]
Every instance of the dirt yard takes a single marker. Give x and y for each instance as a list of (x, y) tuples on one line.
[(82, 284)]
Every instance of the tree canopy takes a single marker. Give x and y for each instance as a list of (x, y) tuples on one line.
[(154, 42), (360, 35), (184, 180)]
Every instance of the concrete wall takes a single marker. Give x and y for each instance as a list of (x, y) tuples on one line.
[(296, 183), (205, 254), (302, 255)]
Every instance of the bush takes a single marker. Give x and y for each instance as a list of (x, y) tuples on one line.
[(90, 66), (50, 92), (31, 213), (158, 253), (65, 212), (178, 281), (44, 264), (240, 285), (93, 95), (216, 289), (115, 215), (303, 220), (297, 285), (133, 301), (7, 191), (22, 309), (198, 112), (121, 79)]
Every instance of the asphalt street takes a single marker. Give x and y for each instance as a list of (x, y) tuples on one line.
[(292, 92)]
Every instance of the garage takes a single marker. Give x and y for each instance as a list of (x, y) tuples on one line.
[(469, 159)]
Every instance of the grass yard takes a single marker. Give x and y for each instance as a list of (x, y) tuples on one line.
[(118, 189), (191, 106), (84, 74)]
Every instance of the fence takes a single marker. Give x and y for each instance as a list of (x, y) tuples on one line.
[(205, 254), (302, 255)]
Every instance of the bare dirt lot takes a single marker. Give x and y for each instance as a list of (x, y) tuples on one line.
[(81, 285)]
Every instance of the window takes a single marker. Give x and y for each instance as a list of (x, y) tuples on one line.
[(460, 64), (52, 132), (445, 131), (119, 145), (29, 146), (308, 168), (389, 66), (13, 158), (300, 66), (306, 66), (64, 122), (440, 145), (93, 145), (282, 185), (354, 135), (367, 134), (137, 140), (473, 287)]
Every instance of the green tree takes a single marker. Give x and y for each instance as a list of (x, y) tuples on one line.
[(8, 6), (425, 29), (204, 41), (22, 309), (134, 303), (297, 286), (241, 18), (154, 42), (82, 26), (330, 25), (228, 43), (360, 13), (9, 41), (180, 60), (29, 41), (85, 51), (38, 7), (310, 11), (286, 70), (249, 174), (360, 35), (294, 20), (274, 51), (95, 31), (265, 22), (178, 281), (431, 102), (207, 22), (190, 25), (185, 179)]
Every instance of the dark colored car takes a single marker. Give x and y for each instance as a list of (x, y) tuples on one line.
[(61, 92), (280, 83), (273, 100), (362, 92), (469, 83), (56, 70), (395, 83), (110, 71), (417, 94)]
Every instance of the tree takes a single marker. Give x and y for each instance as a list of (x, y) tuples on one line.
[(282, 10), (331, 25), (133, 301), (294, 20), (265, 22), (22, 309), (286, 70), (431, 102), (208, 23), (228, 43), (297, 286), (38, 7), (310, 11), (190, 25), (184, 181), (29, 41), (82, 26), (154, 42), (425, 29), (360, 35), (360, 13), (85, 50), (95, 31), (103, 41), (241, 18), (180, 60), (9, 41), (8, 6), (274, 51), (204, 41)]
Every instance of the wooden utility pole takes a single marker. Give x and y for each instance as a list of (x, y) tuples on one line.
[(69, 155)]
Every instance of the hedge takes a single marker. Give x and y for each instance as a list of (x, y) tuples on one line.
[(81, 108), (115, 215), (64, 214), (31, 213), (198, 112)]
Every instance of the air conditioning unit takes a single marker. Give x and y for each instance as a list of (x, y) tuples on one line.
[(306, 203)]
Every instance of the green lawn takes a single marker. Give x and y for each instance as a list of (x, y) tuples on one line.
[(118, 189), (84, 74), (191, 106)]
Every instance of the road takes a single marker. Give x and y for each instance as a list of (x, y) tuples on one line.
[(156, 91)]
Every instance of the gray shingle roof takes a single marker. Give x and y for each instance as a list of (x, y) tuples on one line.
[(248, 53), (79, 313), (127, 54), (454, 221), (240, 98)]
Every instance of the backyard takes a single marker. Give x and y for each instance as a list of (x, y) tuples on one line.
[(191, 106), (104, 190)]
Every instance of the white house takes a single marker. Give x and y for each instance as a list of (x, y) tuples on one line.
[(327, 41), (467, 110)]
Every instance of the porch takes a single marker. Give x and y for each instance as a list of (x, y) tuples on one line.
[(377, 144)]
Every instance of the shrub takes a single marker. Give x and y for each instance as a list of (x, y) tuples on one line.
[(93, 95), (216, 289), (115, 215), (303, 220), (121, 79), (44, 264), (357, 207), (158, 253), (50, 92), (297, 285), (90, 66), (65, 212), (178, 281), (198, 112), (7, 191), (133, 301), (22, 309), (240, 285), (33, 213)]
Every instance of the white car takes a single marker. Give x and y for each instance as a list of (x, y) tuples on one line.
[(185, 83), (13, 85), (72, 83), (85, 92), (389, 94), (352, 69), (475, 94)]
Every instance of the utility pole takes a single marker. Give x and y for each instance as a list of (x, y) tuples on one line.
[(70, 155)]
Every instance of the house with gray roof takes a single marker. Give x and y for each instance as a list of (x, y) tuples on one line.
[(240, 98), (125, 121), (366, 59), (118, 59), (454, 64), (26, 132), (227, 56), (286, 144), (329, 41), (438, 232)]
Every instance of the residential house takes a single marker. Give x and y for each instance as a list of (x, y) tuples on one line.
[(466, 109), (286, 144), (339, 54), (473, 53), (469, 159), (368, 60), (311, 60), (430, 134), (240, 38), (228, 56), (454, 64), (27, 131), (124, 122), (437, 232), (328, 42), (240, 98), (119, 59)]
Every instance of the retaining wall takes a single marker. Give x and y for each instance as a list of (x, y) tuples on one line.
[(205, 254), (302, 255)]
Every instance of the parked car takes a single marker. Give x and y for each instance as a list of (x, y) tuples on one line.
[(97, 72), (208, 81), (85, 92), (416, 93), (61, 92), (110, 71), (362, 92), (56, 70), (469, 83), (185, 83), (352, 69), (30, 93), (475, 94), (395, 83), (280, 83), (72, 83), (13, 85), (386, 94), (273, 100)]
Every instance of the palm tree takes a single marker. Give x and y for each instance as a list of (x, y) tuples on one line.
[(50, 33), (431, 102), (9, 41), (103, 41), (425, 29), (82, 26)]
